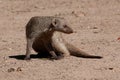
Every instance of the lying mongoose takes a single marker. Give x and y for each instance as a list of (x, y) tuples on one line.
[(43, 34)]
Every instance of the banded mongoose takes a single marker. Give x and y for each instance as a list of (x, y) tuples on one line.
[(43, 34)]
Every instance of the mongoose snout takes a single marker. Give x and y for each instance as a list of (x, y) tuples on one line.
[(61, 25), (67, 29)]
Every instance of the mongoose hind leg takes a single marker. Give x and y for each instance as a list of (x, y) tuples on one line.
[(50, 49), (59, 45), (44, 49), (60, 56)]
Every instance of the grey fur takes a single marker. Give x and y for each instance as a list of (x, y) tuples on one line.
[(44, 35), (42, 28)]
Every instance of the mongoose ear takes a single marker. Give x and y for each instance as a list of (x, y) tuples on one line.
[(55, 22)]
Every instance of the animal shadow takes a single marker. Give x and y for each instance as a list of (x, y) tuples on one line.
[(32, 56)]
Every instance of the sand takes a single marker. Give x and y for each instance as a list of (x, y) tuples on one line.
[(97, 26)]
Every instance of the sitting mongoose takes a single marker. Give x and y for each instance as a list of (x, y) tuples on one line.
[(43, 34), (43, 27)]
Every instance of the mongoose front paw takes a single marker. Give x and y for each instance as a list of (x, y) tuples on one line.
[(53, 58), (57, 58), (27, 58), (60, 57)]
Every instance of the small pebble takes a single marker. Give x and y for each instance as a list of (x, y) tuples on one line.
[(11, 70), (110, 68), (19, 69), (95, 28)]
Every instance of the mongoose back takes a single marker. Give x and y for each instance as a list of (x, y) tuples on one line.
[(44, 35)]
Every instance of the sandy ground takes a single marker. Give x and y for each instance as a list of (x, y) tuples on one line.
[(97, 23)]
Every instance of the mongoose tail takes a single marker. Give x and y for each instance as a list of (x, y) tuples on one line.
[(78, 53)]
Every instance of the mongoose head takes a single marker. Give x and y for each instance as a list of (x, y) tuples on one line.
[(61, 25)]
